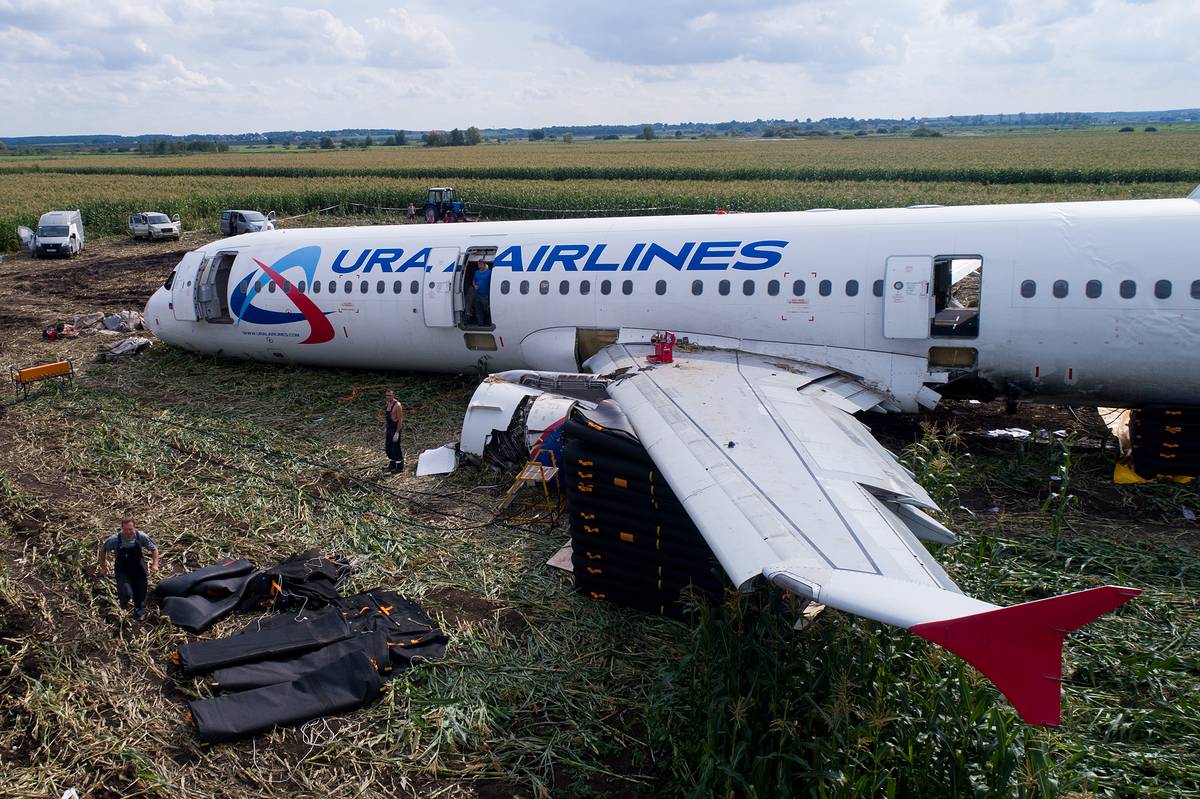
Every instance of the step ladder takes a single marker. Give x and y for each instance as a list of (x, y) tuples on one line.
[(535, 473)]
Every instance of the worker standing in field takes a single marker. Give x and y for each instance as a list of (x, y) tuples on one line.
[(483, 300), (129, 546), (393, 414)]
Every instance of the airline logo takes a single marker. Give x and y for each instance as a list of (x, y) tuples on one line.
[(690, 256), (303, 260)]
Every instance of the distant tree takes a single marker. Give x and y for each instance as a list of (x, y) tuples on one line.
[(538, 134), (881, 129), (473, 136), (1126, 129), (860, 132), (369, 142), (326, 143), (457, 139), (568, 137), (923, 132), (647, 132), (436, 138), (399, 139), (348, 143), (679, 134), (1150, 129), (3, 146)]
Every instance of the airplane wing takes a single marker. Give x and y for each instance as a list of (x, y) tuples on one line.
[(785, 484)]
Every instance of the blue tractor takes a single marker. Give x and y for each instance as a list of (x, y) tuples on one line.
[(442, 206)]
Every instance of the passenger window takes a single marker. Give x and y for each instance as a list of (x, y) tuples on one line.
[(379, 287), (851, 288), (301, 286), (524, 286), (627, 287), (504, 286), (825, 288), (1196, 289), (773, 287), (544, 287), (1128, 289), (1162, 289), (333, 287), (1028, 289), (363, 286), (348, 287), (723, 288), (397, 286), (415, 287), (316, 287), (748, 288), (697, 287), (271, 287), (797, 288), (1093, 289), (877, 288), (660, 288), (287, 286), (1060, 289), (564, 286), (585, 287), (605, 286), (262, 284)]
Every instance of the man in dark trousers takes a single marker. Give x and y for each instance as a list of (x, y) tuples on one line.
[(393, 414), (482, 304), (129, 546)]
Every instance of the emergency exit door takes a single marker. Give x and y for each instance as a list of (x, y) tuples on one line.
[(183, 287), (908, 296), (438, 294)]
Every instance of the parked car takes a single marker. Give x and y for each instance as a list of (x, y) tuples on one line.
[(154, 225), (58, 233), (235, 222)]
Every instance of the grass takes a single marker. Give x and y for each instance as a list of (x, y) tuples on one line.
[(543, 693)]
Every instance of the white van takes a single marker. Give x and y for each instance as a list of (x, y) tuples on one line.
[(58, 233)]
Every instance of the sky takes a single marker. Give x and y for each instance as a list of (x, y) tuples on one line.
[(211, 66)]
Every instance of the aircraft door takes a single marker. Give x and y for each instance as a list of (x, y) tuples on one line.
[(438, 293), (183, 288), (908, 296), (26, 236)]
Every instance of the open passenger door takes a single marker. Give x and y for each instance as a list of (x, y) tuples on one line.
[(908, 296), (439, 295), (183, 288)]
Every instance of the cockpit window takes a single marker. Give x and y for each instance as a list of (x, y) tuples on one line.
[(170, 279)]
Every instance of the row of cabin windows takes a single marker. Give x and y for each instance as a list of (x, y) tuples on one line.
[(1094, 288), (331, 286), (724, 287)]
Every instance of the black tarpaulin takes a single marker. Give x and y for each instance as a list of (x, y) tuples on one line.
[(276, 670), (184, 584), (323, 628), (341, 685), (309, 579), (411, 634), (198, 613)]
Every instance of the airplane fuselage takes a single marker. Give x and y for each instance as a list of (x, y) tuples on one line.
[(1091, 303)]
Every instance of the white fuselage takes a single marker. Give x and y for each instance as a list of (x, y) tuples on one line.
[(1095, 303)]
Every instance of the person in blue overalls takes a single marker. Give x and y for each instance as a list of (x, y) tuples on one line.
[(128, 546), (483, 301)]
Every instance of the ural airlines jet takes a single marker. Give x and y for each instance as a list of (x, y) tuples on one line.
[(800, 320)]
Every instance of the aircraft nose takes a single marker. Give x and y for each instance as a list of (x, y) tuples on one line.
[(157, 308)]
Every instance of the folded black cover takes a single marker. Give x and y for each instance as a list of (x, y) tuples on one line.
[(411, 634), (344, 684), (276, 670), (184, 584), (308, 579), (198, 613), (324, 627)]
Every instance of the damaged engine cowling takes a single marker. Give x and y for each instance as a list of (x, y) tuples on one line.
[(514, 417)]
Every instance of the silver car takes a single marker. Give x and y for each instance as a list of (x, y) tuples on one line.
[(153, 225)]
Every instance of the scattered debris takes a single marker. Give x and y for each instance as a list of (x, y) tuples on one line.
[(439, 460), (125, 348), (1015, 433)]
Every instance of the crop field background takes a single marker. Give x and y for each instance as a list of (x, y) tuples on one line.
[(545, 693)]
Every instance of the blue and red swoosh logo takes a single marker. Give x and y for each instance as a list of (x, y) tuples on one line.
[(241, 302)]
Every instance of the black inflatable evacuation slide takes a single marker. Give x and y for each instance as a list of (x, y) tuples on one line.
[(278, 640), (190, 583), (249, 676), (340, 685)]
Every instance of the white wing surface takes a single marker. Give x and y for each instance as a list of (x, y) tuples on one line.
[(785, 484)]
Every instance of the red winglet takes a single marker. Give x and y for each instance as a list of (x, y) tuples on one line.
[(1019, 648)]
